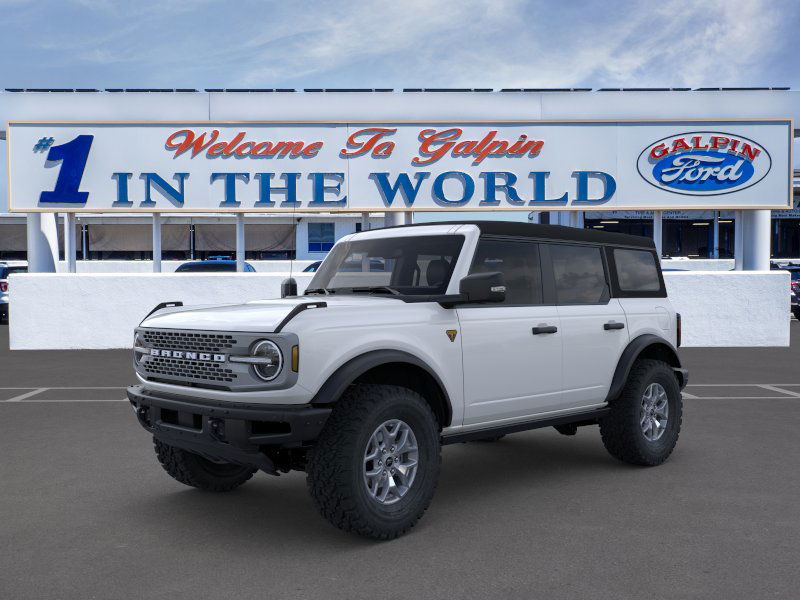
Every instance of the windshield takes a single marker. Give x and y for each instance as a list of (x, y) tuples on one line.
[(402, 265)]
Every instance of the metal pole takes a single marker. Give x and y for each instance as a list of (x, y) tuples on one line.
[(738, 240), (240, 242), (658, 231), (69, 241), (715, 236), (156, 243)]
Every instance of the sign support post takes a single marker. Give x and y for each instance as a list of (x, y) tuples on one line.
[(69, 241), (42, 239), (658, 220), (240, 242), (156, 242)]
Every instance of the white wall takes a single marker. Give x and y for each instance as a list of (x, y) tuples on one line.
[(169, 266), (100, 310), (53, 311), (731, 308)]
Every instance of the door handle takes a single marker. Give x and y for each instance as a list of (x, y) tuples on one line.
[(612, 325), (544, 329)]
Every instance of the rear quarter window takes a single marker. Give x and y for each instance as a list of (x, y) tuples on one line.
[(636, 270)]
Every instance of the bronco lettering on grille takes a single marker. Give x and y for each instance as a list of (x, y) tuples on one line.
[(204, 356)]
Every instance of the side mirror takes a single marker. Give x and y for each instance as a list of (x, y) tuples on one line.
[(483, 287), (288, 287)]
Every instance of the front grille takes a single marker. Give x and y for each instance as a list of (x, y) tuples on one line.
[(191, 369), (182, 340)]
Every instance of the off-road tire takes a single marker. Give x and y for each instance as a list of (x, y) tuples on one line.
[(335, 464), (196, 471), (621, 431)]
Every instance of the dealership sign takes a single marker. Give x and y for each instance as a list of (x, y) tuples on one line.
[(363, 167)]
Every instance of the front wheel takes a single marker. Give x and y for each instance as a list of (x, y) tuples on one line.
[(375, 466), (645, 420)]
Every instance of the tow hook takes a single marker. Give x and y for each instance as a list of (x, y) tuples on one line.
[(217, 429), (143, 414)]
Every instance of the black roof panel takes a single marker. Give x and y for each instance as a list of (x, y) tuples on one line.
[(550, 232)]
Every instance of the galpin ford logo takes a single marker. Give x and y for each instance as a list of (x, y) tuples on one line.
[(704, 163)]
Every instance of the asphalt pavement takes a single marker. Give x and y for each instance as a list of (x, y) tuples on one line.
[(87, 511)]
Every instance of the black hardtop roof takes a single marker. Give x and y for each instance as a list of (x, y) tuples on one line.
[(550, 232)]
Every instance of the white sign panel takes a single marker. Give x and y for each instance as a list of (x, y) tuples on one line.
[(362, 167)]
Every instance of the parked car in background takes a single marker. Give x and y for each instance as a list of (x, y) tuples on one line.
[(795, 285), (6, 269), (312, 268), (212, 265)]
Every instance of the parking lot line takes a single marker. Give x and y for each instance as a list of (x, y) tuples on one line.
[(27, 394), (776, 388)]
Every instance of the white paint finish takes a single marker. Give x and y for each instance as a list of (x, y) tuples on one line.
[(615, 148), (100, 310), (591, 353), (508, 371), (654, 316), (736, 308)]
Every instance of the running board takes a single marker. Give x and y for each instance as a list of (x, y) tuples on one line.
[(582, 418)]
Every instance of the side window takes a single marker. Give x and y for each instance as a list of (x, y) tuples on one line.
[(579, 274), (321, 237), (519, 264), (636, 270)]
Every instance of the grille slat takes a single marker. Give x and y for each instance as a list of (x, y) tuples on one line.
[(197, 342)]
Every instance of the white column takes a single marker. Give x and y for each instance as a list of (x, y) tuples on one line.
[(738, 240), (364, 221), (658, 231), (85, 242), (240, 242), (69, 241), (756, 240), (156, 243), (408, 218), (392, 219), (42, 242), (715, 236)]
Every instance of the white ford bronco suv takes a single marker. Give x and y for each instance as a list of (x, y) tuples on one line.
[(408, 338)]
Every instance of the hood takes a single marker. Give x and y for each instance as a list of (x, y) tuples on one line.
[(261, 316)]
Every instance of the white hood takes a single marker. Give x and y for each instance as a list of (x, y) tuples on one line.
[(261, 316)]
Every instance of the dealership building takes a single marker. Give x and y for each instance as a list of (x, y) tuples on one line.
[(108, 191), (127, 238)]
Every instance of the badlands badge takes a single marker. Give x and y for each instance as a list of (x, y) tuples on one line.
[(704, 163)]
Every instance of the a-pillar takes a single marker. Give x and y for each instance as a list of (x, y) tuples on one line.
[(756, 239), (42, 234)]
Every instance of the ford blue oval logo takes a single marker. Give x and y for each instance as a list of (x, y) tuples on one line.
[(704, 163)]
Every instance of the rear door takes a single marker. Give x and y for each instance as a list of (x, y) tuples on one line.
[(511, 351), (593, 325)]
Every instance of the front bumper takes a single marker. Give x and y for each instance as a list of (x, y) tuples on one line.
[(234, 432)]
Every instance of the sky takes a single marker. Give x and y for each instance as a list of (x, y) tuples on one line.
[(444, 43)]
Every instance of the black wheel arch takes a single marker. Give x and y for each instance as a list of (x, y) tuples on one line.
[(645, 346), (393, 367)]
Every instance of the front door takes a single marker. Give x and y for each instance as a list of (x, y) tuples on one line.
[(511, 351)]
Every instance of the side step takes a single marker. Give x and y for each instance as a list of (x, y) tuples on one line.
[(582, 418)]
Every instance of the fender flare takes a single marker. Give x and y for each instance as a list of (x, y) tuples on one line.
[(340, 380), (633, 350)]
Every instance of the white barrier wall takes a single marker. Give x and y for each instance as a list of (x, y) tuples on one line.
[(100, 310), (731, 308), (169, 266), (63, 311)]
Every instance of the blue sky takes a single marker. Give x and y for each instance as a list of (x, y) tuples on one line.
[(446, 43)]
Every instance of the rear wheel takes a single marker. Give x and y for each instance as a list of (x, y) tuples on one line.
[(375, 466), (645, 420), (194, 470)]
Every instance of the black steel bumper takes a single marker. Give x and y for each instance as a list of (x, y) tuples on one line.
[(230, 431)]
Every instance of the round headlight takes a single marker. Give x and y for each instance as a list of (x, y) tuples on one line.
[(138, 342), (271, 366)]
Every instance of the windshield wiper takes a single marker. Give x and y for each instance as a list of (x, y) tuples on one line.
[(376, 289)]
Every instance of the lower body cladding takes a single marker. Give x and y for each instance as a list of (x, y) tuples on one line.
[(271, 438)]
